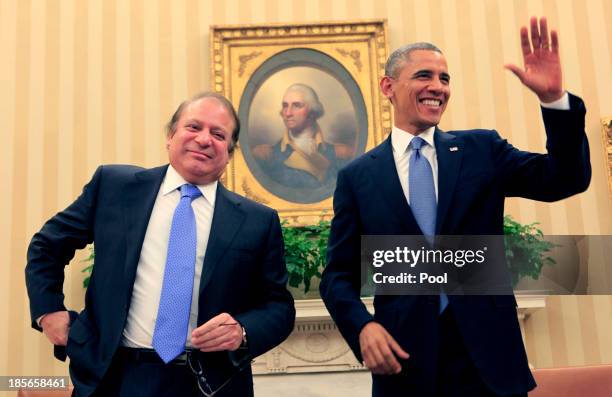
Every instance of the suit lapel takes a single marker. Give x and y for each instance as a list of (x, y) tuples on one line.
[(139, 198), (449, 151), (384, 174), (227, 219)]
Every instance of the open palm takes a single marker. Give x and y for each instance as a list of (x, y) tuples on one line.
[(542, 73)]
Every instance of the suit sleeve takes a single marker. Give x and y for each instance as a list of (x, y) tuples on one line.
[(341, 281), (563, 171), (54, 246), (272, 320)]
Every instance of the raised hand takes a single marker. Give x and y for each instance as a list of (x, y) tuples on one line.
[(542, 73)]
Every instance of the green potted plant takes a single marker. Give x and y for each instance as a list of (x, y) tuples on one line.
[(526, 250), (305, 254), (306, 251)]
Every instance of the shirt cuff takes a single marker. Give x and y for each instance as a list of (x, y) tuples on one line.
[(39, 319), (560, 104)]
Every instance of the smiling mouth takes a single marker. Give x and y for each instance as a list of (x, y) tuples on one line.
[(433, 103), (200, 154)]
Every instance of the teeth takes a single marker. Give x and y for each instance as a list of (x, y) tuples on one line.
[(432, 102)]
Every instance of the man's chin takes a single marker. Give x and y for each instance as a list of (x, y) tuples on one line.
[(428, 124), (200, 177), (432, 117)]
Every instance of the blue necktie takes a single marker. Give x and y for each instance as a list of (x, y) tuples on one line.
[(172, 322), (423, 196)]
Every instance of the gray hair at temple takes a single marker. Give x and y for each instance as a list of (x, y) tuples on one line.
[(402, 54), (310, 97), (172, 124)]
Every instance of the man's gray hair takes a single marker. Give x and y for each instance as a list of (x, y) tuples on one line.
[(310, 97), (402, 54), (172, 124)]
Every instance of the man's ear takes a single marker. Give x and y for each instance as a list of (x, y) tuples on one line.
[(386, 86)]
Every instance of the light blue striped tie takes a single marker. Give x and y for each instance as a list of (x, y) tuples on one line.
[(423, 197), (172, 322)]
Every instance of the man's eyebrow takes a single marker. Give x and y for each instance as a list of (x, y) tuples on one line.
[(422, 71), (428, 72)]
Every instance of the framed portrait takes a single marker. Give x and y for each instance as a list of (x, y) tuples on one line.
[(308, 101)]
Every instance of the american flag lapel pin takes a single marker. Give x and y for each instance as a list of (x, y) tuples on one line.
[(453, 148)]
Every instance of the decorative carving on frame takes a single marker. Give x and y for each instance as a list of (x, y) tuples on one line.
[(606, 129), (287, 159), (355, 55), (244, 59), (249, 193)]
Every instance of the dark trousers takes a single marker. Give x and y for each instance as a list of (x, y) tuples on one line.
[(455, 374), (136, 374), (133, 378)]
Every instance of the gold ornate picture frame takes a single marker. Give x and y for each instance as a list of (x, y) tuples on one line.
[(309, 102), (606, 129)]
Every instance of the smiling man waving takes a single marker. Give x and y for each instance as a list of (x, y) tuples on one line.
[(423, 181)]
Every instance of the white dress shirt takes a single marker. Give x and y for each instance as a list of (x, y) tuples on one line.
[(138, 331), (400, 140)]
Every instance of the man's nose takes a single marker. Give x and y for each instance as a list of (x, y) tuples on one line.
[(203, 138), (436, 86)]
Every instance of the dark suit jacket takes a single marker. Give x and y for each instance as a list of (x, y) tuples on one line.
[(473, 182), (243, 273)]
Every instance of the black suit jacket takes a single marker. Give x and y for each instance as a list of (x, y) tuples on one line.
[(473, 181), (243, 273)]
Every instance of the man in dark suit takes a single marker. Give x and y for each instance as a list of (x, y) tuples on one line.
[(422, 181), (189, 278)]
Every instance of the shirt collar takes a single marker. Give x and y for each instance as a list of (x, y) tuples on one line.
[(400, 139), (173, 180)]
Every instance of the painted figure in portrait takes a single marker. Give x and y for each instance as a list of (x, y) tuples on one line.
[(302, 158)]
